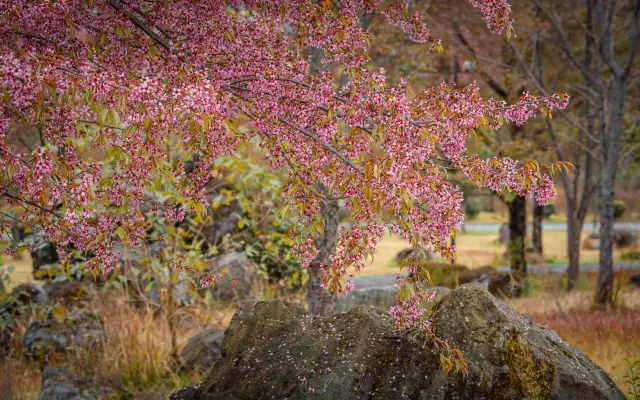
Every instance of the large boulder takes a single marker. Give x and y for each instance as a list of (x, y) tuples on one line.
[(277, 350), (238, 278), (202, 350), (61, 384), (61, 332)]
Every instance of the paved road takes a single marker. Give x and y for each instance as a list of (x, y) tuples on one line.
[(385, 281), (547, 226)]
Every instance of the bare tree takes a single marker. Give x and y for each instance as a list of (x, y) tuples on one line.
[(606, 70)]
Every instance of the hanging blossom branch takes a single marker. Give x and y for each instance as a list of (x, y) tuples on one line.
[(109, 79)]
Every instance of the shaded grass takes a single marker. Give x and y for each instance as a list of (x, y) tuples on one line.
[(135, 356)]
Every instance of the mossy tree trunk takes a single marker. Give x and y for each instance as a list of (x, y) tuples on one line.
[(536, 237), (517, 236)]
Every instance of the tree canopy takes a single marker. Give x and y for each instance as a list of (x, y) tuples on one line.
[(121, 93)]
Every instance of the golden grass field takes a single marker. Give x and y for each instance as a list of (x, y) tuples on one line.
[(477, 249), (474, 249)]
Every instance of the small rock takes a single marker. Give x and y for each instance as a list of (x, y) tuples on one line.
[(78, 328), (29, 293), (238, 278), (476, 275), (15, 307), (189, 393), (42, 251), (625, 238), (502, 284), (61, 384), (202, 350), (70, 293), (635, 280)]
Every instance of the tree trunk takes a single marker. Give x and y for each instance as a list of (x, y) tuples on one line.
[(604, 293), (517, 236), (171, 313), (609, 164), (574, 227), (537, 228), (321, 301)]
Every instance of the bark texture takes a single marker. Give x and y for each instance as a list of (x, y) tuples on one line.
[(321, 301), (517, 236), (537, 228)]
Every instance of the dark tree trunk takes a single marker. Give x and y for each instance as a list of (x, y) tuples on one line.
[(321, 301), (574, 230), (537, 228), (609, 164), (604, 293), (517, 236)]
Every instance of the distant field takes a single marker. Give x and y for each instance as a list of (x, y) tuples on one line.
[(474, 249), (477, 249)]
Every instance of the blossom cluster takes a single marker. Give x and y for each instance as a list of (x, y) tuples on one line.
[(117, 91)]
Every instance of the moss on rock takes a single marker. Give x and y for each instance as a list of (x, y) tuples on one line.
[(530, 377)]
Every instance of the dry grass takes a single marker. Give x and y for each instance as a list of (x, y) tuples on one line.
[(136, 354), (606, 337), (477, 249), (474, 249)]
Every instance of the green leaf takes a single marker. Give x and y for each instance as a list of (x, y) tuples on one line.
[(59, 313), (122, 234)]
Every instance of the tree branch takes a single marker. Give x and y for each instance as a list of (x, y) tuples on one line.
[(134, 20)]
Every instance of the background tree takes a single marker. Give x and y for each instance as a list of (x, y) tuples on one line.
[(610, 32)]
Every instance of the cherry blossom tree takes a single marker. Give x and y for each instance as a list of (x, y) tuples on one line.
[(111, 86)]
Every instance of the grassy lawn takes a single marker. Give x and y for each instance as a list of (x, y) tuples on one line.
[(477, 249)]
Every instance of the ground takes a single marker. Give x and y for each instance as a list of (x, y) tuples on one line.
[(137, 352)]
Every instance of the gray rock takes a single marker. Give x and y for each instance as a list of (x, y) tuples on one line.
[(203, 350), (42, 251), (635, 280), (625, 237), (383, 298), (276, 350), (61, 384), (189, 393), (78, 328), (15, 307), (238, 278), (30, 294)]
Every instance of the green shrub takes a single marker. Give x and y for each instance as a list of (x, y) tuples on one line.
[(531, 285), (548, 210), (472, 209), (631, 256), (618, 209), (632, 379)]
